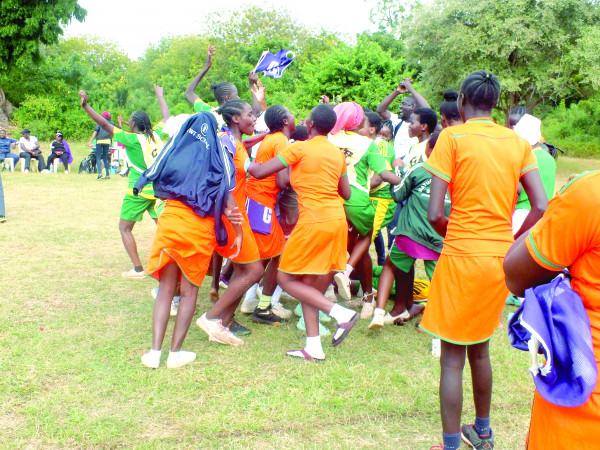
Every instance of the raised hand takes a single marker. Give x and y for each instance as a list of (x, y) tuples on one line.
[(83, 96), (210, 51), (253, 78), (325, 100), (159, 90)]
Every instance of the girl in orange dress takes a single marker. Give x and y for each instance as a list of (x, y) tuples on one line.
[(481, 164), (317, 246)]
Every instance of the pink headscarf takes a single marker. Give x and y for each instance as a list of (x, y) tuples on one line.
[(349, 116)]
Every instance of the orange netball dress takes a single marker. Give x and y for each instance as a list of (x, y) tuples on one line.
[(317, 245), (569, 236), (249, 251), (265, 192), (482, 162)]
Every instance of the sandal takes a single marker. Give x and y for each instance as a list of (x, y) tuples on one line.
[(303, 354), (347, 327)]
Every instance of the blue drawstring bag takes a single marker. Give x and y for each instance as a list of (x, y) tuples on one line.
[(552, 321)]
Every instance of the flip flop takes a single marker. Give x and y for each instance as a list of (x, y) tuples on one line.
[(347, 327), (303, 355)]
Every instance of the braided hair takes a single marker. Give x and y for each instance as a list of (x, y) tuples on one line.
[(275, 116), (223, 90), (449, 107), (142, 122), (230, 109), (481, 89)]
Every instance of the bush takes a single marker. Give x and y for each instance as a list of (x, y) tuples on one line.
[(574, 129)]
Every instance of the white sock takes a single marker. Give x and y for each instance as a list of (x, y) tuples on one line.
[(379, 311), (313, 347), (276, 295), (251, 294), (349, 270), (341, 314)]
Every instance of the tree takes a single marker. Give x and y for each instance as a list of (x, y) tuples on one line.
[(26, 25), (539, 49)]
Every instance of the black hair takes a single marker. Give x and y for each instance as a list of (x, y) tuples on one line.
[(275, 116), (387, 123), (411, 99), (449, 107), (428, 117), (324, 118), (375, 120), (300, 133), (481, 89), (433, 139), (230, 109), (222, 90), (143, 124), (520, 111)]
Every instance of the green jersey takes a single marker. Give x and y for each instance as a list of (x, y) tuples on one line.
[(200, 105), (141, 152), (547, 168), (387, 151), (362, 154)]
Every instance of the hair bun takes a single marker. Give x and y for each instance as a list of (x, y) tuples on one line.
[(213, 87), (450, 95)]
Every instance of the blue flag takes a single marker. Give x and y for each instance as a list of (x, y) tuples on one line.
[(273, 65)]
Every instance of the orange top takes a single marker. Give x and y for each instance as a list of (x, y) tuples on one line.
[(482, 162), (317, 166), (569, 236), (265, 191), (239, 161)]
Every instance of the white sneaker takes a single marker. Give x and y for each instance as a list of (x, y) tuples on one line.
[(45, 171), (233, 339), (248, 306), (330, 294), (367, 309), (343, 284), (389, 320), (279, 310), (174, 307), (180, 358), (66, 171), (134, 274), (151, 360), (26, 171), (214, 328), (377, 321)]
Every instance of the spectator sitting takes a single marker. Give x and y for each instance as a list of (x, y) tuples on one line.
[(30, 148), (6, 145), (59, 149)]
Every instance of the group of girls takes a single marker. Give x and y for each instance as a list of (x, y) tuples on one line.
[(478, 163)]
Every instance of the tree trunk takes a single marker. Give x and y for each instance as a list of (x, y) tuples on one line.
[(6, 109)]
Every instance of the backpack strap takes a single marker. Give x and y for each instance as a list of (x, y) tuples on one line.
[(397, 127)]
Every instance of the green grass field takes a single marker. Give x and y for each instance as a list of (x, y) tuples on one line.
[(72, 331)]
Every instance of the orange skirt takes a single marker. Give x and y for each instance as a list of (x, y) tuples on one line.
[(249, 252), (272, 244), (466, 298), (316, 248), (557, 427), (185, 238)]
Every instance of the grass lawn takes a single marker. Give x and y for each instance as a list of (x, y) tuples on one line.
[(72, 331)]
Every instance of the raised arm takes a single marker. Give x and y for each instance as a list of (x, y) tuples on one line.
[(382, 109), (190, 95), (257, 90), (164, 108), (419, 99), (435, 211), (532, 183), (94, 115)]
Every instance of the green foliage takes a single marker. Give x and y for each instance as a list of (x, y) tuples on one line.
[(539, 49), (27, 24), (574, 129)]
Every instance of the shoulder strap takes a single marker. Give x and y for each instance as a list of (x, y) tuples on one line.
[(397, 127)]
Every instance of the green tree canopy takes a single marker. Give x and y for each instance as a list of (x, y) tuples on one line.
[(540, 49)]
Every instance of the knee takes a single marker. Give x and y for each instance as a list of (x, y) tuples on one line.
[(282, 279), (255, 272), (125, 227)]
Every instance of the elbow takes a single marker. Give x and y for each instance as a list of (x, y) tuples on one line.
[(346, 195), (434, 218), (380, 110)]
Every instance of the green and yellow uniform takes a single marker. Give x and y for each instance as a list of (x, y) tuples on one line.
[(141, 152), (200, 105), (362, 155), (381, 197)]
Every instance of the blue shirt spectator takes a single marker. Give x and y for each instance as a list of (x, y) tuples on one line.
[(6, 145)]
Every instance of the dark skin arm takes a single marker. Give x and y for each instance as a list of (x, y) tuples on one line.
[(164, 108), (282, 178), (522, 271), (234, 216), (532, 183), (435, 211), (190, 95), (94, 115), (390, 177), (375, 181), (260, 171), (344, 187), (382, 108), (253, 140)]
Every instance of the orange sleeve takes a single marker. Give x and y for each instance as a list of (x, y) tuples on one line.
[(292, 153), (279, 144), (529, 161), (441, 161), (557, 240)]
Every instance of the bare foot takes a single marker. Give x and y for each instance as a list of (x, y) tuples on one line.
[(214, 295), (415, 310)]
